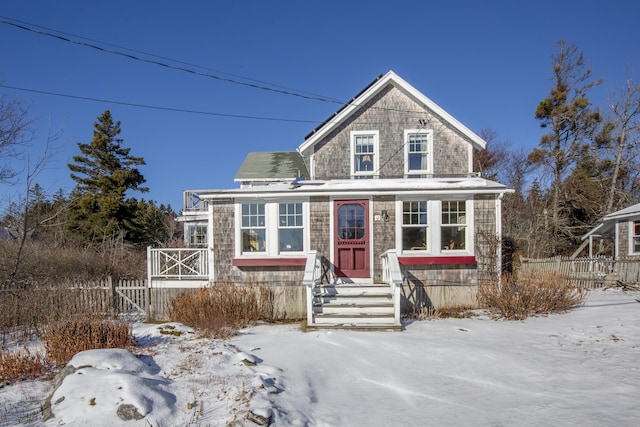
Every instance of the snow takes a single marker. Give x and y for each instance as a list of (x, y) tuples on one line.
[(576, 368)]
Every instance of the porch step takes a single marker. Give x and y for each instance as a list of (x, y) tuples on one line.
[(354, 306)]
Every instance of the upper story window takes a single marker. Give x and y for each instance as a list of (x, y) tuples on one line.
[(364, 154), (253, 227), (635, 238), (418, 153), (197, 236)]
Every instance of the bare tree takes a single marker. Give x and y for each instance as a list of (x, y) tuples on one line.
[(15, 135), (624, 144)]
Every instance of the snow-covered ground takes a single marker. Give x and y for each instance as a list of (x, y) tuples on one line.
[(577, 368)]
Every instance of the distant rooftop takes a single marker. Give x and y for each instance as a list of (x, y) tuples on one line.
[(272, 166)]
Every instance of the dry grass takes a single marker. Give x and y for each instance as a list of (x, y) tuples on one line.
[(64, 339), (21, 365), (219, 310), (529, 294)]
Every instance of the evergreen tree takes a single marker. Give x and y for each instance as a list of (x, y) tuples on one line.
[(572, 122), (104, 172)]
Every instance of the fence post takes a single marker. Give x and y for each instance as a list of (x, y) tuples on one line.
[(111, 284)]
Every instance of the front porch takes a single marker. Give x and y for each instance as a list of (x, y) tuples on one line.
[(330, 302)]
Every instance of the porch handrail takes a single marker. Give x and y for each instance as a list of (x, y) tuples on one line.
[(392, 275), (178, 263), (312, 277)]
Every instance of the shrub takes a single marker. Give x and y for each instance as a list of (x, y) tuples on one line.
[(532, 293), (65, 338), (20, 365), (220, 309)]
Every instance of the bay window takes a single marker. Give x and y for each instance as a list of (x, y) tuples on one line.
[(635, 237)]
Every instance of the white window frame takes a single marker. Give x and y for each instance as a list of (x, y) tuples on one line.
[(272, 229), (282, 227), (189, 234), (633, 236), (374, 173), (420, 172), (434, 226), (427, 225)]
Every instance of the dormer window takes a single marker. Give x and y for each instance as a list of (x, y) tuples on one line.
[(418, 153), (364, 154)]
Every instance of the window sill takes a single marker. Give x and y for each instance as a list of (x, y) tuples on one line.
[(269, 262), (438, 260)]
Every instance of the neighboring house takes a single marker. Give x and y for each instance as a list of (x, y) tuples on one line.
[(622, 228), (384, 187)]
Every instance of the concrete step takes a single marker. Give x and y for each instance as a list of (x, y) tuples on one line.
[(354, 310)]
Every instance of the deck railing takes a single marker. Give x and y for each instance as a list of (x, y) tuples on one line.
[(392, 275), (180, 264), (192, 203)]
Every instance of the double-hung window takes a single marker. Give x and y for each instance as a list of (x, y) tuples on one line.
[(414, 225), (635, 237), (253, 227), (418, 153), (453, 227), (427, 226), (272, 228), (290, 227), (364, 154), (197, 236)]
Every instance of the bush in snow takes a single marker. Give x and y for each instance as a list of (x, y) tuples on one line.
[(528, 294), (64, 339), (220, 309)]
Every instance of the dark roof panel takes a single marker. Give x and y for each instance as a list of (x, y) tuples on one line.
[(269, 166)]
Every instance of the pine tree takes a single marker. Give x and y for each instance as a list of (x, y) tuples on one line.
[(104, 172)]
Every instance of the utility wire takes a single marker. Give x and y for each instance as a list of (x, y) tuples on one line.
[(163, 64), (155, 107), (168, 59)]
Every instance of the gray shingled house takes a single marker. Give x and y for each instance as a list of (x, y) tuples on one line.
[(377, 211)]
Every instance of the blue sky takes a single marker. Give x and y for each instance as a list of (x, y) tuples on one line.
[(488, 63)]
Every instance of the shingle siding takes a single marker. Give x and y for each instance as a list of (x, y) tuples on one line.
[(391, 113)]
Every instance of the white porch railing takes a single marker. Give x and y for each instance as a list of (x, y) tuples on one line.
[(392, 275), (179, 264), (312, 277)]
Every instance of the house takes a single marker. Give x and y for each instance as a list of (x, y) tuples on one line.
[(377, 211), (622, 228)]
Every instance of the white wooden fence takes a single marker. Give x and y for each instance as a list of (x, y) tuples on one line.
[(587, 272)]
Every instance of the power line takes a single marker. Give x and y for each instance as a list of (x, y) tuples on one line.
[(163, 64), (169, 59), (155, 107)]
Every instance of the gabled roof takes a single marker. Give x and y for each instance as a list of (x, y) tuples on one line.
[(272, 166), (606, 224), (370, 92)]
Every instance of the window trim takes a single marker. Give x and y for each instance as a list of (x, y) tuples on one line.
[(272, 229), (376, 154), (633, 236), (434, 227), (188, 234), (429, 171)]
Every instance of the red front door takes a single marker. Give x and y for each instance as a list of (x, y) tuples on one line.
[(351, 238)]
